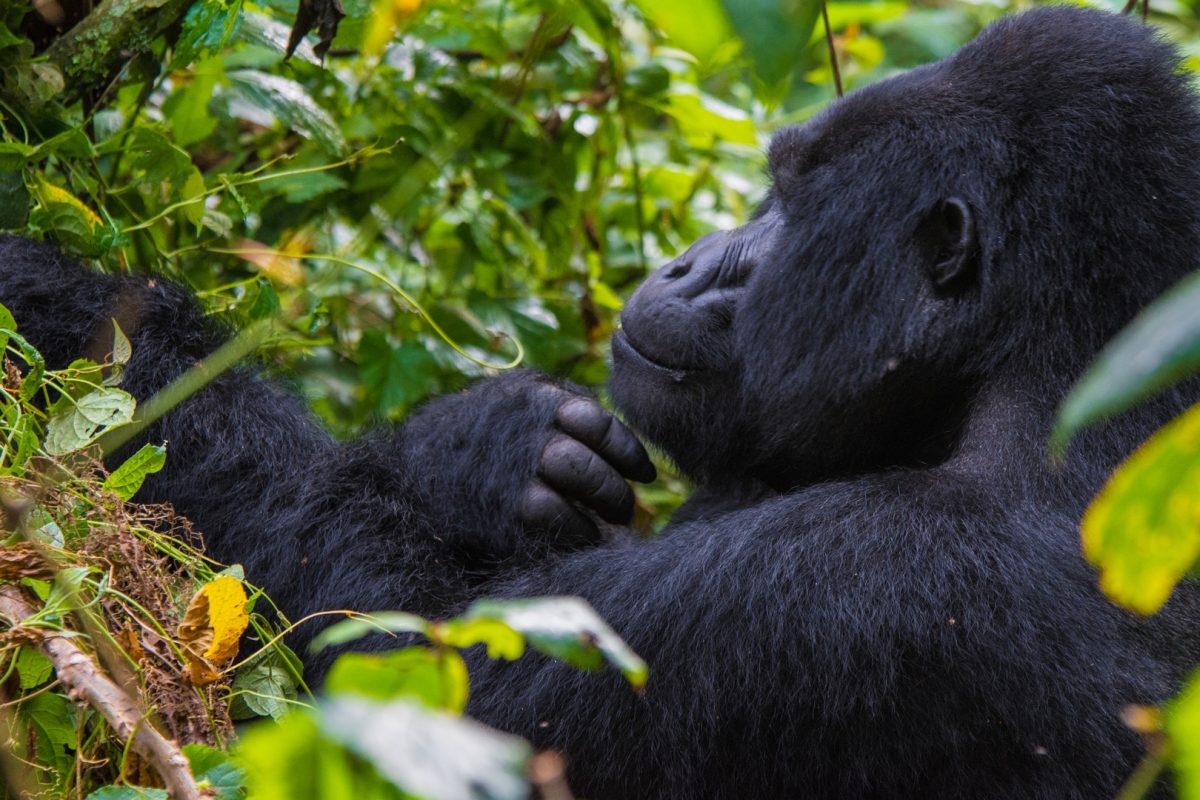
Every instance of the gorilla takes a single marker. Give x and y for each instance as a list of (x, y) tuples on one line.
[(876, 589)]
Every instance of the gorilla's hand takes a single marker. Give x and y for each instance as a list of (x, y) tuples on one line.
[(523, 463), (585, 463)]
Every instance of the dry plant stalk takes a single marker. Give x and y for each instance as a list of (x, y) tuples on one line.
[(84, 680)]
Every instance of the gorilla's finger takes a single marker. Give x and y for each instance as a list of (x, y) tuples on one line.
[(588, 422), (542, 508), (577, 472)]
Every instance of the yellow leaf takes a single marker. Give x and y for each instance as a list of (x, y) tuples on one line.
[(55, 194), (1143, 529), (212, 627)]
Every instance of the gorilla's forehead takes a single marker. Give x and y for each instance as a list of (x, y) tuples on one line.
[(912, 101)]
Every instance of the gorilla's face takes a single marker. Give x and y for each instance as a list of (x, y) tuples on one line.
[(827, 335)]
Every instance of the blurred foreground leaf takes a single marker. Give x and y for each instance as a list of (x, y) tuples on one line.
[(410, 752), (1161, 346), (566, 628), (1143, 529), (1182, 724), (774, 31), (435, 678), (700, 27)]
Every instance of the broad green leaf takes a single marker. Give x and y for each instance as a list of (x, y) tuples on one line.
[(700, 27), (1143, 530), (566, 628), (33, 668), (1182, 724), (187, 108), (500, 639), (1160, 347), (14, 155), (437, 678), (215, 770), (78, 424), (263, 688), (52, 719), (776, 32), (126, 479), (293, 760), (429, 754), (703, 119), (68, 218), (359, 626), (128, 793), (290, 103)]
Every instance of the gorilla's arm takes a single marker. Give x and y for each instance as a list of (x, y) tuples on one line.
[(477, 482), (885, 613)]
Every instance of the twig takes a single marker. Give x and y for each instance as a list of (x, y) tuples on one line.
[(833, 54), (84, 680)]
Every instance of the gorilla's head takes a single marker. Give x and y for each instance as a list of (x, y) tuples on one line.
[(985, 221)]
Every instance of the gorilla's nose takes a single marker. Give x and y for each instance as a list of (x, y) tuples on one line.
[(717, 261)]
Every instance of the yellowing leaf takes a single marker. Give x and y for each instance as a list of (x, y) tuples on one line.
[(212, 627), (1143, 529), (1183, 728), (282, 265), (54, 194)]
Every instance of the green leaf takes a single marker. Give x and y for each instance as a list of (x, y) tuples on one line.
[(293, 760), (35, 377), (396, 377), (15, 155), (500, 639), (774, 31), (566, 628), (700, 27), (128, 793), (122, 350), (14, 199), (263, 688), (1161, 346), (1182, 724), (290, 103), (126, 479), (1143, 529), (33, 668), (429, 754), (8, 325), (52, 718), (703, 119), (435, 678), (78, 424), (214, 769), (359, 626)]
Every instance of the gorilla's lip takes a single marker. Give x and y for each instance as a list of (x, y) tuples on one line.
[(624, 346)]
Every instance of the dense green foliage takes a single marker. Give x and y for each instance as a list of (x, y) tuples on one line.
[(456, 186)]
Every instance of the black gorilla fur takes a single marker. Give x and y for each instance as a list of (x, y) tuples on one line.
[(876, 590)]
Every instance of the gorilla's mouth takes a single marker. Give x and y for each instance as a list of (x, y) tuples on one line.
[(623, 347)]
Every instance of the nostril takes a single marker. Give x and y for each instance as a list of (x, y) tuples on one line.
[(678, 269)]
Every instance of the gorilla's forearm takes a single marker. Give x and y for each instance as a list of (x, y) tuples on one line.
[(253, 470), (836, 620)]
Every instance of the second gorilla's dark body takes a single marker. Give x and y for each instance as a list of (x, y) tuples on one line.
[(877, 589)]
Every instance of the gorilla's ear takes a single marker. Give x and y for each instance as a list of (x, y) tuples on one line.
[(948, 245)]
